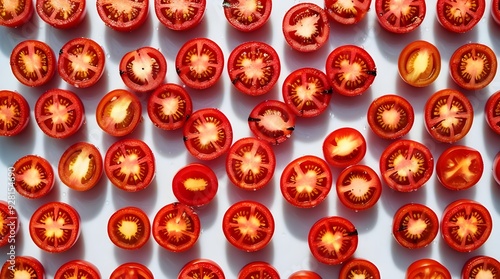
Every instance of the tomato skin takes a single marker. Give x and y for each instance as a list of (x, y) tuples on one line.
[(143, 70), (245, 20), (492, 112), (469, 55), (304, 274), (23, 263), (495, 10), (121, 218), (463, 21), (85, 269), (272, 114), (358, 187), (427, 268), (396, 21), (258, 269), (31, 168), (195, 184), (477, 266), (199, 267), (341, 140), (177, 20), (169, 106), (496, 168), (12, 18), (459, 167), (10, 223), (35, 55), (412, 217), (119, 112), (113, 14), (11, 101), (133, 269), (78, 156), (390, 116), (59, 16), (412, 56), (359, 267), (347, 15)]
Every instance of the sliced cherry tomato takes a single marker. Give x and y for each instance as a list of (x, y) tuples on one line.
[(59, 113), (14, 113), (496, 168), (448, 115), (247, 16), (180, 14), (344, 147), (272, 121), (200, 268), (254, 68), (459, 167), (80, 167), (176, 227), (358, 187), (473, 66), (304, 274), (123, 15), (169, 106), (350, 69), (427, 269), (55, 227), (24, 267), (459, 16), (199, 63), (390, 116), (78, 269), (307, 92), (130, 165), (119, 112), (81, 62), (61, 14), (415, 225), (306, 27), (306, 181), (34, 176), (347, 12), (250, 163), (480, 267), (131, 270), (492, 112), (400, 16), (16, 13), (419, 63), (333, 240), (359, 268), (33, 63), (129, 228), (9, 223), (143, 69), (248, 225), (208, 134), (495, 10), (195, 184), (466, 225), (258, 269), (406, 165)]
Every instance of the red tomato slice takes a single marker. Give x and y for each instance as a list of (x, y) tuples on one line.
[(419, 63), (358, 187), (272, 121), (169, 106), (55, 227), (119, 112), (307, 92), (459, 16), (200, 268), (16, 13), (129, 228), (61, 14), (332, 240), (258, 269), (304, 274), (131, 270), (199, 63), (390, 116), (344, 147), (427, 269), (33, 63), (350, 69), (80, 166), (59, 113), (14, 113), (496, 168), (254, 68), (473, 66), (9, 223), (247, 16), (492, 112), (495, 10), (459, 167), (34, 176), (306, 181), (81, 62), (176, 227), (24, 266), (406, 165), (448, 115), (250, 163), (359, 268), (79, 268), (248, 225), (143, 69), (400, 16), (415, 226), (180, 15), (123, 15), (195, 185), (479, 267), (350, 12)]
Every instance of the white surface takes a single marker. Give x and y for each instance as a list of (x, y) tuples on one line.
[(288, 251)]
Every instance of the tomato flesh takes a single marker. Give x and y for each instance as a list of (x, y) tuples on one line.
[(495, 10), (272, 121), (347, 12), (129, 228), (419, 63), (180, 15), (9, 223), (119, 112), (258, 269), (400, 16), (359, 268), (390, 116), (344, 147), (169, 106), (473, 66), (14, 113), (16, 13), (143, 70), (304, 274), (358, 187), (459, 16), (80, 167), (78, 269), (479, 267), (427, 269), (195, 184), (201, 268), (61, 14), (459, 167), (123, 15), (496, 168), (33, 63), (131, 270), (24, 267), (415, 226), (34, 176), (492, 112), (247, 16)]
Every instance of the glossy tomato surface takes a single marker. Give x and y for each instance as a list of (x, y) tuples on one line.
[(199, 268), (14, 113), (459, 16), (346, 12), (16, 13), (9, 223), (61, 14), (344, 147), (304, 274), (247, 16), (481, 266), (359, 268), (34, 176), (358, 187), (23, 266), (180, 15), (119, 112), (400, 16), (426, 269), (123, 15), (459, 167), (496, 168), (169, 106), (390, 116), (495, 10), (473, 66), (33, 62), (415, 225), (82, 269), (258, 269), (131, 270), (80, 166), (129, 228), (419, 63), (492, 112), (195, 184), (144, 69), (272, 121)]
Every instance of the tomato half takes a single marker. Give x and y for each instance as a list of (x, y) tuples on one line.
[(473, 66), (466, 225), (495, 10), (307, 92), (272, 121), (130, 165), (131, 270), (496, 168), (248, 225), (80, 166), (306, 27), (358, 187), (247, 16), (406, 165), (254, 68), (448, 115), (350, 69), (415, 225), (180, 14), (33, 63), (427, 269), (59, 113), (199, 63), (123, 15), (390, 116), (306, 181), (419, 63), (24, 267), (34, 176), (55, 227), (479, 267), (9, 223), (332, 240), (359, 268), (459, 16), (129, 228), (78, 269), (119, 112), (14, 113), (81, 62), (258, 269), (169, 106), (350, 12), (200, 268), (304, 274), (250, 163), (16, 13), (207, 134), (61, 14), (195, 184), (344, 147), (176, 227), (459, 167), (492, 112), (400, 16), (144, 69)]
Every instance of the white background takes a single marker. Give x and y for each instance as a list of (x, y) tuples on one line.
[(288, 251)]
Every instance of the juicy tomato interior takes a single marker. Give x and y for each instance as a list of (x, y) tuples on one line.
[(144, 69), (123, 15), (169, 106), (427, 269), (496, 168), (358, 187), (16, 13), (131, 269), (492, 112), (304, 274), (415, 226), (459, 16), (80, 166), (201, 268), (459, 167), (359, 268), (400, 16), (78, 269), (33, 62), (34, 176), (272, 121), (246, 15), (14, 113), (180, 14), (9, 223), (343, 147), (24, 267), (258, 269), (129, 228), (119, 112), (347, 12), (195, 184), (473, 66), (481, 267), (61, 14), (419, 63), (390, 116)]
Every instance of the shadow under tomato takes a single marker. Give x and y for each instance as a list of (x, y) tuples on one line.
[(209, 97), (95, 92), (313, 128), (299, 221), (142, 255), (53, 261), (264, 34), (171, 263), (242, 104), (445, 196), (208, 213), (168, 143), (392, 200), (89, 204), (25, 207), (145, 199), (82, 29), (417, 96), (293, 59), (495, 192), (264, 195), (494, 29), (20, 241), (24, 143), (363, 220), (349, 34), (12, 36), (324, 270), (391, 44), (402, 257), (447, 42), (240, 258), (349, 109), (454, 260)]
